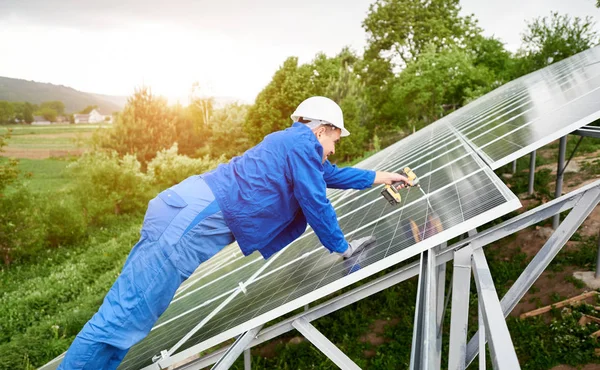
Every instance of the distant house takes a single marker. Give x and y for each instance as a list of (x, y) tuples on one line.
[(40, 120), (93, 117)]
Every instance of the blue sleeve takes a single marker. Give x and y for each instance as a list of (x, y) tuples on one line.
[(347, 177), (309, 186)]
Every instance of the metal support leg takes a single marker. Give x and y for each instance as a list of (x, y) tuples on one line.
[(247, 359), (424, 345), (482, 329), (562, 148), (501, 347), (542, 259), (324, 345), (236, 349), (514, 166), (598, 258), (531, 173), (461, 283), (440, 310)]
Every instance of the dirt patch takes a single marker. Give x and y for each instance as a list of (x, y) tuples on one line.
[(586, 367), (375, 335), (40, 153), (269, 349), (549, 284)]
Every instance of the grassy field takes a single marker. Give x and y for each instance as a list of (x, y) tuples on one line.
[(45, 302), (53, 141)]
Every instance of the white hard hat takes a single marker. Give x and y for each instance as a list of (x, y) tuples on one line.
[(323, 109)]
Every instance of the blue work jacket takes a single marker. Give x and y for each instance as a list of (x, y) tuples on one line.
[(268, 194)]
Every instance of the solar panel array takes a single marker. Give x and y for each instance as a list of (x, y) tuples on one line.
[(460, 187), (454, 158), (530, 112)]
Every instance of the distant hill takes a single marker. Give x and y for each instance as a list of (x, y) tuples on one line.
[(13, 89)]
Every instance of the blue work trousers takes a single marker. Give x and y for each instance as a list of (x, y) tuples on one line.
[(183, 227)]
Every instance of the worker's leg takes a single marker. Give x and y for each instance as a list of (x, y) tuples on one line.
[(151, 275)]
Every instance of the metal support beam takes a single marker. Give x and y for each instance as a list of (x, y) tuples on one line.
[(424, 344), (247, 359), (562, 148), (236, 349), (514, 166), (502, 350), (461, 284), (440, 310), (542, 259), (588, 131), (324, 345), (531, 173), (481, 321), (598, 258)]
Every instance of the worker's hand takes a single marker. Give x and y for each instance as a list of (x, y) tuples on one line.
[(389, 178), (358, 245)]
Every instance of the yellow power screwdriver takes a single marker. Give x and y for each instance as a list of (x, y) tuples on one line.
[(392, 195)]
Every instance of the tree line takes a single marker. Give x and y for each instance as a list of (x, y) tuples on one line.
[(422, 61), (24, 112)]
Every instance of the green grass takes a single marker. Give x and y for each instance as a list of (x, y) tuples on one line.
[(50, 129), (45, 174)]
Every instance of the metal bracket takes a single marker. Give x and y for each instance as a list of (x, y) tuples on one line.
[(236, 349), (324, 345)]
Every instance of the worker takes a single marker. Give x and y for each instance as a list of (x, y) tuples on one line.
[(262, 199)]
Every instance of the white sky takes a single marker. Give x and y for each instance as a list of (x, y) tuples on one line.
[(231, 47)]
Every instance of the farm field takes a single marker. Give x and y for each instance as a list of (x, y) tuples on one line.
[(40, 142)]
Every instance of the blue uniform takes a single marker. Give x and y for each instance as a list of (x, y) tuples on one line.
[(263, 199), (268, 194)]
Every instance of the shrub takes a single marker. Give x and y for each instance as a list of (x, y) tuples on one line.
[(169, 168), (65, 222), (107, 185), (22, 230)]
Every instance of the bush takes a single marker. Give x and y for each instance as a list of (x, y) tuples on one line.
[(107, 185), (22, 227), (65, 222), (169, 168)]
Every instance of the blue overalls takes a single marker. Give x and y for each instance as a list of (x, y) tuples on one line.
[(183, 227)]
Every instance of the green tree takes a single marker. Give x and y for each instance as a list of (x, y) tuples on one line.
[(228, 136), (7, 112), (548, 40), (398, 31), (57, 106), (26, 111), (48, 113), (290, 85), (88, 109), (438, 82), (271, 111), (146, 126), (490, 52)]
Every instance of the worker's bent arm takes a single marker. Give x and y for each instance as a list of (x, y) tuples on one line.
[(309, 189), (347, 177)]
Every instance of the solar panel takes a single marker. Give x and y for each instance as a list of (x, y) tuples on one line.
[(462, 190), (532, 111)]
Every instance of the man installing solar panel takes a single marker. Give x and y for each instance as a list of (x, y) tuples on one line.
[(262, 199)]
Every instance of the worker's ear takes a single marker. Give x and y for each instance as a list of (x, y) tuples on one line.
[(320, 131)]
